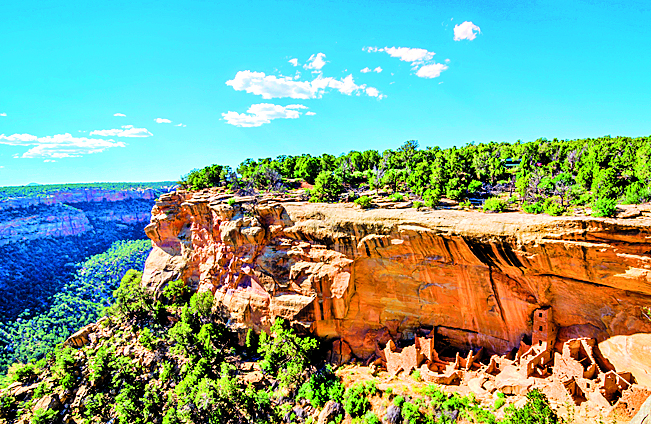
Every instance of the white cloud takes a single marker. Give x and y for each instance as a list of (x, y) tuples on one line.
[(119, 114), (270, 86), (431, 71), (126, 131), (373, 92), (365, 70), (466, 31), (294, 62), (49, 160), (407, 54), (58, 146), (180, 125), (162, 121), (262, 113), (315, 62), (3, 114), (420, 59), (310, 113)]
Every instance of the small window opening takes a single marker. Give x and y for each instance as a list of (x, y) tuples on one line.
[(540, 328), (540, 314), (539, 342)]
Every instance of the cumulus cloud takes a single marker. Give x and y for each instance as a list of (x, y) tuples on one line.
[(270, 86), (310, 113), (119, 114), (431, 71), (125, 131), (180, 125), (58, 146), (49, 160), (421, 60), (262, 113), (162, 121), (315, 62), (365, 70), (466, 31), (294, 62), (3, 114)]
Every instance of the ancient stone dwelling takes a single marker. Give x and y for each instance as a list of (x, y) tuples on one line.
[(574, 368)]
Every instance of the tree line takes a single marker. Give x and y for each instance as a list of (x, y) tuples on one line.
[(540, 176)]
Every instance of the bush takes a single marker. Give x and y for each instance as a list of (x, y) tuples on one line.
[(535, 411), (364, 202), (286, 355), (146, 338), (418, 204), (536, 207), (176, 292), (397, 197), (42, 416), (552, 207), (636, 193), (356, 401), (494, 204), (322, 387), (604, 207), (326, 187)]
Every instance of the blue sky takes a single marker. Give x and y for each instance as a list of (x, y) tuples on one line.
[(222, 74)]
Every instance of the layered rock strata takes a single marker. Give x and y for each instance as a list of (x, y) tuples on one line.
[(364, 278)]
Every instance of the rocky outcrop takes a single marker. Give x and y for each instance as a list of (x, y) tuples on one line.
[(367, 277)]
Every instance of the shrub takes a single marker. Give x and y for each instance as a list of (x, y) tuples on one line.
[(364, 202), (431, 196), (175, 292), (536, 207), (636, 193), (201, 303), (22, 372), (411, 413), (321, 387), (130, 297), (536, 410), (356, 401), (552, 207), (42, 416), (500, 401), (371, 418), (397, 197), (416, 375), (231, 201), (286, 355), (327, 187), (604, 207), (146, 338), (98, 364), (494, 204), (417, 205)]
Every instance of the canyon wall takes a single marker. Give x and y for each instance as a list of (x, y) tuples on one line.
[(367, 276), (71, 212)]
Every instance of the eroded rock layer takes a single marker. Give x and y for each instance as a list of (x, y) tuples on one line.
[(366, 277)]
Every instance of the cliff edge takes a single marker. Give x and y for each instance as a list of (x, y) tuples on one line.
[(367, 276)]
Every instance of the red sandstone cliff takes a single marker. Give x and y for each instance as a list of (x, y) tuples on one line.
[(368, 276)]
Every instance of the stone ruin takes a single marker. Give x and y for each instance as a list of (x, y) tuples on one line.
[(574, 368)]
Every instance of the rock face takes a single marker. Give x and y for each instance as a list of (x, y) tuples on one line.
[(72, 212), (367, 277)]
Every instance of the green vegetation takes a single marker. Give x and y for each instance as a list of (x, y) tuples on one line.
[(178, 363), (33, 271), (494, 204), (80, 302), (548, 176), (363, 201)]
